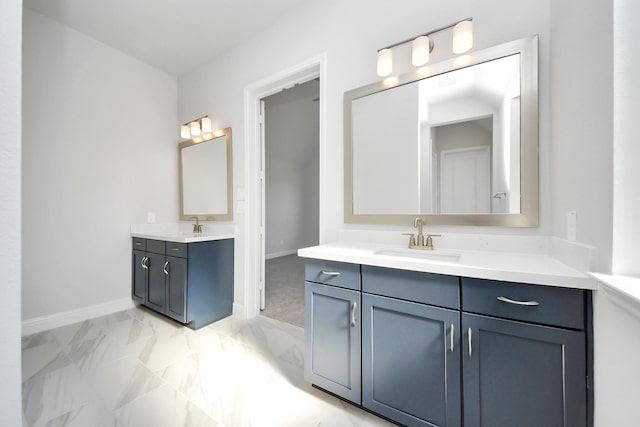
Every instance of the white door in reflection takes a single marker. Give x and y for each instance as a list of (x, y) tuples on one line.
[(465, 180)]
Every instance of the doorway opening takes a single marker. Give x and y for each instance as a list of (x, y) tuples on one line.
[(253, 294), (291, 202)]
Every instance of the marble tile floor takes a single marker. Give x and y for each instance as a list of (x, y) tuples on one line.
[(136, 368)]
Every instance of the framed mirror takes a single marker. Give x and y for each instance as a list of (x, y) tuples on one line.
[(455, 143), (206, 177)]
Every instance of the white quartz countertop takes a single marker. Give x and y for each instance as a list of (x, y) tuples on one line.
[(181, 233), (506, 266)]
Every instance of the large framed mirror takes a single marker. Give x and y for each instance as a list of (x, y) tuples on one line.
[(206, 177), (455, 143)]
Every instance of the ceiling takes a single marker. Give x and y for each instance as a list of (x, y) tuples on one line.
[(173, 35)]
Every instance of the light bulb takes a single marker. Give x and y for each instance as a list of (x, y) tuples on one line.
[(385, 62), (462, 36), (206, 124), (185, 132), (195, 128), (420, 51)]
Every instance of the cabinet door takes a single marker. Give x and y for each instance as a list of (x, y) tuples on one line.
[(521, 374), (176, 282), (411, 363), (156, 291), (140, 276), (332, 339)]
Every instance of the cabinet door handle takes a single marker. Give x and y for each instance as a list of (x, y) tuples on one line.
[(330, 273), (469, 335), (353, 313), (164, 267), (143, 263), (510, 301), (453, 329)]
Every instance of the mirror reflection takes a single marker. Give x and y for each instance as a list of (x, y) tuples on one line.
[(457, 147), (206, 178), (450, 142)]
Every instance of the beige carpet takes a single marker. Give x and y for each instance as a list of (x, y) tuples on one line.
[(285, 290)]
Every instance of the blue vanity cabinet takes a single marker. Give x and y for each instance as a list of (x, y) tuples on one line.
[(332, 328), (411, 349), (188, 282), (516, 370)]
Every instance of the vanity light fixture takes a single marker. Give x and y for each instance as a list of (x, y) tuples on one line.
[(195, 128), (423, 46)]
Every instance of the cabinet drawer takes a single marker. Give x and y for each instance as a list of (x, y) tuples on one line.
[(176, 249), (139, 244), (155, 246), (334, 273), (427, 288), (546, 305)]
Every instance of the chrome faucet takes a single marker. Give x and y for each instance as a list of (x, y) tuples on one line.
[(420, 244), (197, 227)]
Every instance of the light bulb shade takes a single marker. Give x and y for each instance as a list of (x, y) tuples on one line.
[(462, 36), (185, 132), (420, 51), (206, 124), (385, 62), (195, 128)]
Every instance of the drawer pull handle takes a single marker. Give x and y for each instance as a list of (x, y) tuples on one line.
[(353, 313), (138, 243), (164, 267), (143, 263), (175, 249), (469, 336), (452, 333), (330, 273), (510, 301)]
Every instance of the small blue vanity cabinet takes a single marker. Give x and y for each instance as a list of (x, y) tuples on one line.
[(188, 282), (441, 350), (332, 327)]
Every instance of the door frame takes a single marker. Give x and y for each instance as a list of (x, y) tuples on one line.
[(254, 174)]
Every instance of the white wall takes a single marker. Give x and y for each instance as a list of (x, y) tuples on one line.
[(99, 151), (291, 168), (10, 251), (616, 367), (626, 149), (582, 121)]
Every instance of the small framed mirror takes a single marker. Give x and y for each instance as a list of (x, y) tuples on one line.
[(206, 177)]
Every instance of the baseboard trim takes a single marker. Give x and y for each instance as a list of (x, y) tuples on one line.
[(279, 254), (238, 311), (39, 324)]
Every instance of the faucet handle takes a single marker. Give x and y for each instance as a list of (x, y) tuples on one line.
[(412, 239), (429, 244)]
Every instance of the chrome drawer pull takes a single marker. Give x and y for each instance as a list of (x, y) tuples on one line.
[(353, 313), (175, 249), (138, 243), (510, 301), (330, 273), (164, 267), (452, 333), (469, 335)]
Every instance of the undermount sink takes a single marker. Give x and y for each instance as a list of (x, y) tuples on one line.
[(421, 254)]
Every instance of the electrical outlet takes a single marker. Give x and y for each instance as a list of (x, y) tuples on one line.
[(571, 225), (151, 217)]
